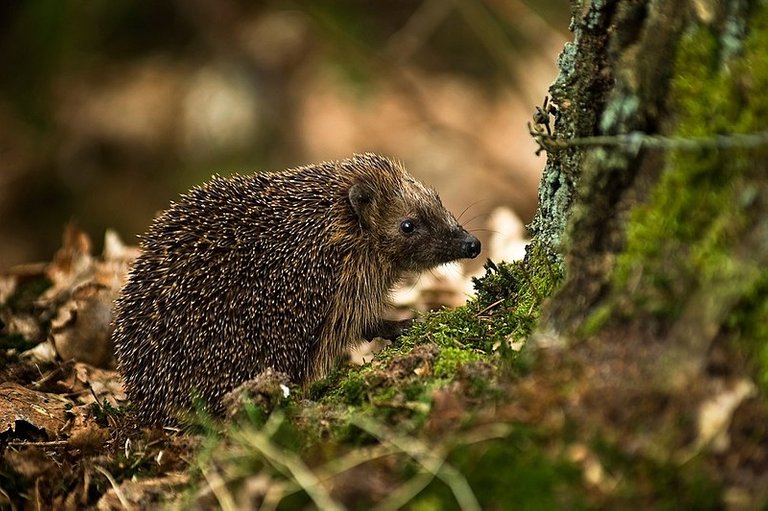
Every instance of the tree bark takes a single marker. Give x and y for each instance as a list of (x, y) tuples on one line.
[(653, 234), (661, 221)]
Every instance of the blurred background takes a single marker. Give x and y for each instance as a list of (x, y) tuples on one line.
[(111, 108)]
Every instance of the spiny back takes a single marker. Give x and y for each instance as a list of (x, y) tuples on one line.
[(280, 271)]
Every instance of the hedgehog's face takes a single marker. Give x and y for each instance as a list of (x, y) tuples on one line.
[(411, 227)]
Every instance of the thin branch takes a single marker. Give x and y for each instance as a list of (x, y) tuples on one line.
[(636, 140), (118, 492), (425, 457), (291, 465), (48, 443), (219, 488)]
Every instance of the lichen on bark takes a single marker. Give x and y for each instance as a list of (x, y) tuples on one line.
[(697, 248), (629, 93), (651, 236), (618, 44)]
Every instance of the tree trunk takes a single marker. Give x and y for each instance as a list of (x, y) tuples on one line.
[(655, 196), (669, 235)]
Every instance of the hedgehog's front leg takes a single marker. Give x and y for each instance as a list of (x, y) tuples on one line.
[(387, 329)]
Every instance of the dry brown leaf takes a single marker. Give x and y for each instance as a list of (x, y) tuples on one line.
[(82, 328), (90, 438), (20, 406), (86, 380), (141, 492), (82, 294), (71, 263)]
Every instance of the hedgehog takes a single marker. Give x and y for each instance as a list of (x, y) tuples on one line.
[(281, 271)]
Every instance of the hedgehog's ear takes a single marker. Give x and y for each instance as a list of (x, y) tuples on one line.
[(361, 200)]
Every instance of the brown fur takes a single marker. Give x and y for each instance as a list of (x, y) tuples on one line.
[(281, 271)]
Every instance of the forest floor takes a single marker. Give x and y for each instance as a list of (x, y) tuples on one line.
[(465, 412)]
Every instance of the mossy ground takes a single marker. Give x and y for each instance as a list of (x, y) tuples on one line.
[(431, 401), (454, 415), (419, 421)]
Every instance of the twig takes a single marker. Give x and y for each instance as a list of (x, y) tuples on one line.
[(37, 384), (427, 459), (491, 306), (118, 492), (636, 140), (219, 489), (291, 465), (50, 443)]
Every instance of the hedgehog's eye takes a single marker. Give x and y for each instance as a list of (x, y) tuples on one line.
[(408, 226)]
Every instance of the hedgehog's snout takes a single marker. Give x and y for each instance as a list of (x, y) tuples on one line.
[(470, 246)]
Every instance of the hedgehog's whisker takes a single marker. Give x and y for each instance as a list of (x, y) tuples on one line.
[(467, 208), (481, 215)]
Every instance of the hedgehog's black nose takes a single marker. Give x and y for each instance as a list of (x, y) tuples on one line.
[(470, 246)]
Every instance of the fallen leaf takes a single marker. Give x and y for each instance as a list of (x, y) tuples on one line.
[(89, 439), (715, 414), (21, 406), (81, 297), (143, 491), (82, 328), (105, 384)]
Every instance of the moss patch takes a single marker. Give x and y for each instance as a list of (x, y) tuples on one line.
[(701, 227), (450, 359), (505, 310), (702, 203), (422, 399)]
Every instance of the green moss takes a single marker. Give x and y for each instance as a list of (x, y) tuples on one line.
[(645, 483), (451, 359), (353, 388), (325, 386), (445, 328), (596, 319), (512, 472), (506, 307), (696, 232)]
